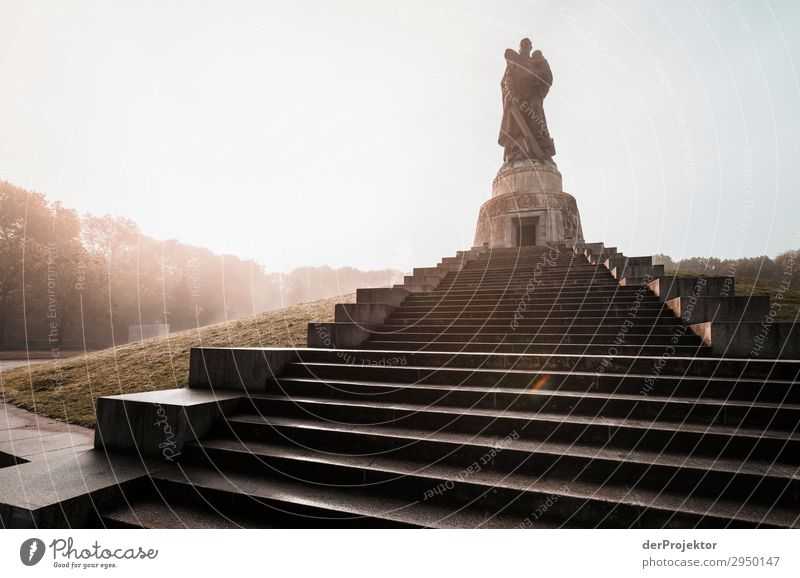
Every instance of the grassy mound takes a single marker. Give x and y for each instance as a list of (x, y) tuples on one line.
[(789, 299), (67, 389)]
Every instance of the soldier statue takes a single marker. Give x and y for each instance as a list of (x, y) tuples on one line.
[(523, 130)]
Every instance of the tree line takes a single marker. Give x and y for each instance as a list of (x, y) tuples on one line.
[(781, 268), (69, 280)]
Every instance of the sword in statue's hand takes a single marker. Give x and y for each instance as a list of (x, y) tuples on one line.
[(528, 139)]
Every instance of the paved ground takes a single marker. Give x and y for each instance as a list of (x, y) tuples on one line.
[(31, 437), (12, 359), (6, 364)]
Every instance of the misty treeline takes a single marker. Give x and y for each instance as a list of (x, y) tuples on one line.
[(67, 280), (782, 268)]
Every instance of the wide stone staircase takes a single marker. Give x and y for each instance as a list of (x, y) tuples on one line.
[(529, 301), (534, 387)]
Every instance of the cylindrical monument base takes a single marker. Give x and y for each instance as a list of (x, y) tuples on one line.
[(528, 207)]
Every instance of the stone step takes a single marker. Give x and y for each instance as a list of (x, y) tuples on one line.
[(615, 296), (486, 491), (706, 366), (511, 306), (652, 383), (451, 303), (523, 286), (482, 304), (526, 286), (530, 265), (522, 312), (534, 319), (544, 292), (559, 348), (152, 511), (610, 338), (510, 309), (512, 299), (279, 502), (675, 410), (532, 262), (553, 328), (524, 276), (525, 310), (624, 434), (528, 274), (535, 256), (751, 481), (532, 306), (530, 268)]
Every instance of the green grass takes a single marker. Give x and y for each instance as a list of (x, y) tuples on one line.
[(790, 303), (67, 389)]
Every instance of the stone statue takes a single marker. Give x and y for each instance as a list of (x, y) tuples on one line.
[(523, 130)]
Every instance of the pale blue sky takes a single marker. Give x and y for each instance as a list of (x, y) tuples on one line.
[(364, 133)]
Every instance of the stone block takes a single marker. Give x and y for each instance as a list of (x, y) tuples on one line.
[(389, 295), (367, 313), (421, 280), (473, 253), (610, 261), (667, 288), (160, 423), (592, 250), (337, 335), (240, 368), (751, 340), (453, 263), (639, 272), (448, 266), (636, 281), (693, 310), (606, 253), (598, 253), (417, 287), (619, 261), (429, 272)]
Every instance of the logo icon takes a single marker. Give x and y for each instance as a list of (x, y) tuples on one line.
[(32, 551)]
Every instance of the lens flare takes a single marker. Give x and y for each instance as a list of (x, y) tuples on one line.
[(541, 381)]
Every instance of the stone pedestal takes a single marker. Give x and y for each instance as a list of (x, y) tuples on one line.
[(528, 207)]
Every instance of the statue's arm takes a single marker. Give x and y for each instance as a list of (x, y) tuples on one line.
[(507, 83), (548, 74), (543, 69)]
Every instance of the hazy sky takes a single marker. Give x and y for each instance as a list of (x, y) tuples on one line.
[(364, 133)]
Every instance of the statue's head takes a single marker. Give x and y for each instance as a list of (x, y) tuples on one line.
[(525, 46)]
